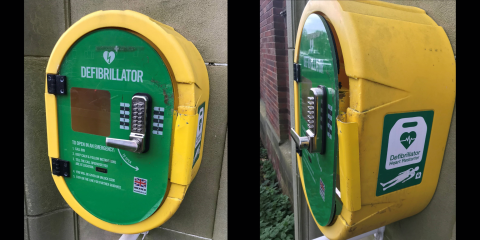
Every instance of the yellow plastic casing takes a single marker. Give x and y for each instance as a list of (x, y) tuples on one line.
[(191, 88), (396, 59)]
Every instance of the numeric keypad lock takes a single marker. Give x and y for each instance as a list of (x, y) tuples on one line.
[(316, 118), (138, 140)]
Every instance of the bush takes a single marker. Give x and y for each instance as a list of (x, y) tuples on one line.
[(263, 151), (276, 217)]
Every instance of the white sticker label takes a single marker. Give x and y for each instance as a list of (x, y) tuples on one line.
[(199, 130), (140, 185), (406, 144), (322, 189)]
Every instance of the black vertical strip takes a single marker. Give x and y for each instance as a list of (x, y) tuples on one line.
[(243, 118)]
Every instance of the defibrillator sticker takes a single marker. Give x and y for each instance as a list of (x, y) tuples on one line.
[(404, 149), (198, 138), (140, 185)]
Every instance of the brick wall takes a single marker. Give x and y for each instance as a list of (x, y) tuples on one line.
[(273, 66)]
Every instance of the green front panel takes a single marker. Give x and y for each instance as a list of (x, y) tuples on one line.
[(318, 67), (104, 69)]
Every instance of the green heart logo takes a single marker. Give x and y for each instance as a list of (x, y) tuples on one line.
[(407, 138)]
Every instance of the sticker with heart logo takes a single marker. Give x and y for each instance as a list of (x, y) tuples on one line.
[(407, 138), (108, 56)]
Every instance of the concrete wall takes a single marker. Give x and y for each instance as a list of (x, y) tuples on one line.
[(438, 219), (202, 214)]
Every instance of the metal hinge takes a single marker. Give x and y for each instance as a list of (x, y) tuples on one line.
[(56, 84), (60, 167), (296, 72)]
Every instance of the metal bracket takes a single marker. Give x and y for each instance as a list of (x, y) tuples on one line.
[(60, 167), (377, 233), (56, 84), (133, 236), (296, 72), (284, 15)]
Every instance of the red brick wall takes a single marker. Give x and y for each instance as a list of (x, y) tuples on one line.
[(273, 66)]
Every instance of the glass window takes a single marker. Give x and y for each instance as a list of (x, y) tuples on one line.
[(90, 111)]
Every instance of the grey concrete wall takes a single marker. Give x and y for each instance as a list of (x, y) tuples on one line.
[(202, 214), (438, 219)]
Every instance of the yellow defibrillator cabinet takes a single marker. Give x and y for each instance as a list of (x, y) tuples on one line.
[(374, 94), (126, 102)]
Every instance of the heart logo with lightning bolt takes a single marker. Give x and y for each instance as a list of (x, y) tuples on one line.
[(108, 56), (407, 138)]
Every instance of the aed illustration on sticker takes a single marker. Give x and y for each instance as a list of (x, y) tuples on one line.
[(404, 149)]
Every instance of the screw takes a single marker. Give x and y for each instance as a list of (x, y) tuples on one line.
[(65, 174), (62, 91), (62, 80)]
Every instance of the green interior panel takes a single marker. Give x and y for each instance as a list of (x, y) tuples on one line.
[(104, 69), (318, 63)]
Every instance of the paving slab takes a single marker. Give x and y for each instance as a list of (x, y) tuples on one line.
[(56, 225), (43, 24), (41, 194)]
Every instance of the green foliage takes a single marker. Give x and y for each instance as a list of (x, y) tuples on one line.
[(268, 172), (263, 151), (276, 217)]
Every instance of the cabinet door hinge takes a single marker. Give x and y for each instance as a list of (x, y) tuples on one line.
[(60, 167), (296, 72), (56, 84)]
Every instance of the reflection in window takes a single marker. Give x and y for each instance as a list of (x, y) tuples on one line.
[(90, 111)]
